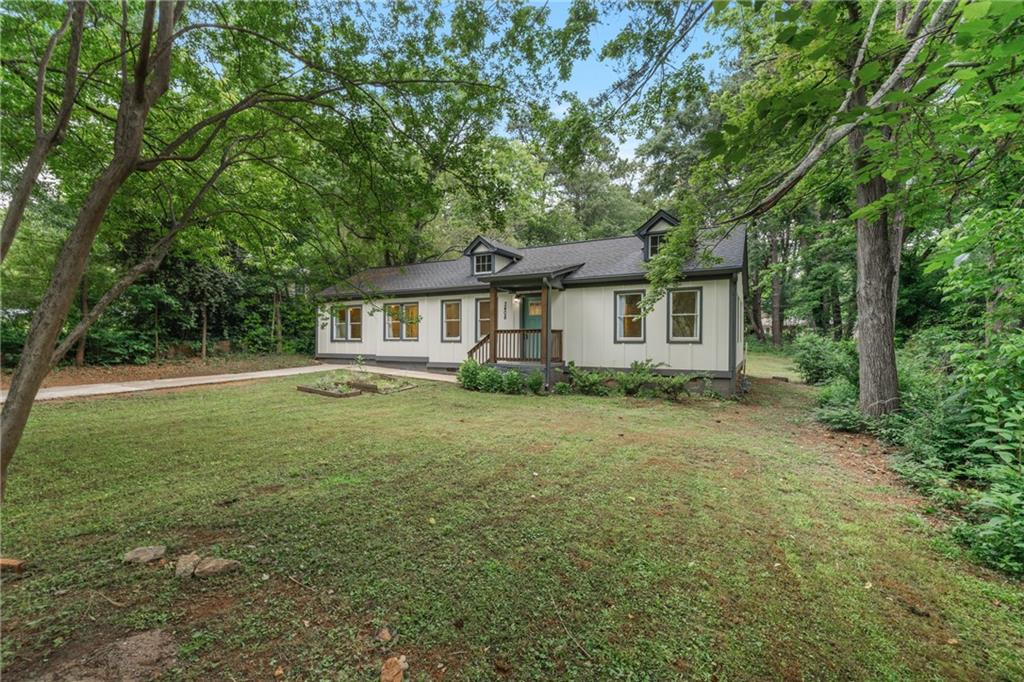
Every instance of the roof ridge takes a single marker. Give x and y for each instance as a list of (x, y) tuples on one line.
[(579, 241)]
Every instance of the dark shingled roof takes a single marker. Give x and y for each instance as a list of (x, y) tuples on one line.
[(615, 259)]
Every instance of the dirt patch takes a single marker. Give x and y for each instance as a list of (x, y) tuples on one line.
[(138, 658), (268, 489), (192, 367)]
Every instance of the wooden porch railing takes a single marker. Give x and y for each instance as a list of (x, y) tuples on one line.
[(518, 345)]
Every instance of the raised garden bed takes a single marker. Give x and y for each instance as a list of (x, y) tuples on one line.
[(351, 393), (344, 384)]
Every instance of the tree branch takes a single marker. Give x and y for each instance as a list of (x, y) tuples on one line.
[(838, 133)]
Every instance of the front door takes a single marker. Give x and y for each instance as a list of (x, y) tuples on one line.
[(531, 317)]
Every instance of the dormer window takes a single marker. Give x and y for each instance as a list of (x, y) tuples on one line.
[(654, 244), (483, 263)]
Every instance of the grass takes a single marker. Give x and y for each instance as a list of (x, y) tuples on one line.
[(496, 536), (767, 364)]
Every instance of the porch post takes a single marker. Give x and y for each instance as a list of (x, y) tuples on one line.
[(494, 324), (544, 324)]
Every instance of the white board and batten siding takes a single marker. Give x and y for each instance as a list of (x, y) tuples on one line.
[(586, 314), (428, 347)]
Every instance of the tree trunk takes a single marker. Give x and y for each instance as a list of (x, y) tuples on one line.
[(879, 385), (80, 350), (46, 140), (753, 305), (837, 314), (52, 311), (278, 333), (776, 298), (203, 344), (156, 330)]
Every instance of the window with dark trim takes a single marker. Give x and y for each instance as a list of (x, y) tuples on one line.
[(629, 323), (654, 242), (347, 324), (483, 317), (401, 322), (684, 315), (483, 263), (451, 320)]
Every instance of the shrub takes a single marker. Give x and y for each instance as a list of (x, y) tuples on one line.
[(562, 388), (469, 374), (999, 539), (674, 387), (490, 380), (587, 382), (512, 382), (640, 376), (821, 359), (535, 382)]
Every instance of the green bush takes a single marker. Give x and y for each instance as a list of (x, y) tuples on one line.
[(469, 374), (535, 382), (674, 387), (491, 380), (512, 382), (820, 359), (640, 376), (562, 388), (998, 539), (587, 382)]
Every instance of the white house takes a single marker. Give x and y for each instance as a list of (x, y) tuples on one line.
[(544, 306)]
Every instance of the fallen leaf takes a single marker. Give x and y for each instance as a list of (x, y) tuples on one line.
[(384, 635), (867, 585), (279, 673), (432, 521), (394, 669)]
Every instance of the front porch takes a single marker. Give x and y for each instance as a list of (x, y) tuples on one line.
[(520, 346), (533, 342)]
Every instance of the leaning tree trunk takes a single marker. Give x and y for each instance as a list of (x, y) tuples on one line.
[(49, 317), (879, 385)]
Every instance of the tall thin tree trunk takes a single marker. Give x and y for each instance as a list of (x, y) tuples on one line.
[(275, 323), (753, 305), (837, 314), (203, 344), (879, 385), (777, 314), (156, 330), (84, 301)]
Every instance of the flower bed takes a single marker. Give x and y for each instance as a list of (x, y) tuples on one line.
[(344, 384)]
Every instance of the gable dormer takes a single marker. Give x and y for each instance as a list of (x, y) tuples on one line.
[(488, 256), (654, 231)]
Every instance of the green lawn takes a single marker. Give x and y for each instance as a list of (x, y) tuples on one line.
[(495, 536), (767, 365)]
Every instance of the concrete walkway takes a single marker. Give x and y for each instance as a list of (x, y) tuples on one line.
[(87, 390)]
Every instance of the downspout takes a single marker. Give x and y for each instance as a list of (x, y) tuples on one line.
[(546, 333)]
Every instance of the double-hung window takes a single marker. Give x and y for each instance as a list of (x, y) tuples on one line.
[(347, 324), (451, 320), (654, 242), (483, 317), (483, 263), (684, 315), (629, 323), (402, 322)]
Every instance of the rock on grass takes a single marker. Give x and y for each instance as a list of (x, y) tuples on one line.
[(212, 566), (145, 555)]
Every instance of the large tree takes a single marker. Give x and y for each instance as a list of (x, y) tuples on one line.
[(163, 103), (923, 94)]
